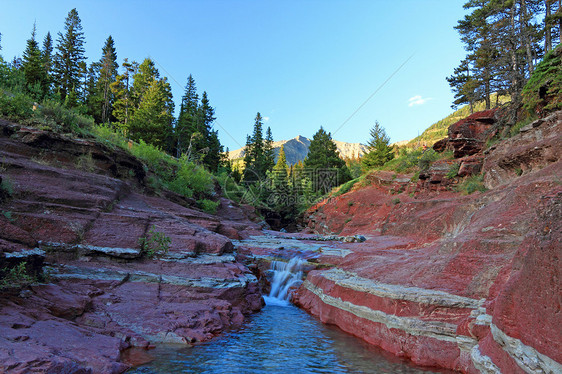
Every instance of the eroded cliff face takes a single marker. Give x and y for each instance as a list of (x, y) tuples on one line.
[(470, 283), (82, 223)]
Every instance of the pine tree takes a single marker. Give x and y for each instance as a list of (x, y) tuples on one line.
[(47, 56), (144, 77), (379, 149), (502, 40), (254, 165), (152, 120), (206, 116), (268, 152), (101, 75), (108, 73), (69, 56), (152, 117), (248, 174), (123, 108), (280, 175), (187, 118), (282, 198), (33, 67), (463, 85), (324, 163), (215, 158), (82, 88)]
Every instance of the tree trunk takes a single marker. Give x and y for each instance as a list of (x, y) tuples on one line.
[(560, 21), (487, 90), (513, 54), (105, 107), (547, 28), (524, 30)]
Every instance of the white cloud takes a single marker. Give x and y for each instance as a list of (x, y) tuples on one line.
[(418, 100), (266, 118)]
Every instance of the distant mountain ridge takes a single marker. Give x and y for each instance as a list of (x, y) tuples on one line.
[(296, 149)]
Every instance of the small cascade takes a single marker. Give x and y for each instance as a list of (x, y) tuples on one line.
[(285, 275)]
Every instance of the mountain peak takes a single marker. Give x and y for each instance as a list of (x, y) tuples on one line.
[(296, 149)]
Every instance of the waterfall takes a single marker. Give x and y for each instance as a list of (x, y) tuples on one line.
[(285, 275)]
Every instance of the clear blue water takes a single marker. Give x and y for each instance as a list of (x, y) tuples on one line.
[(279, 339)]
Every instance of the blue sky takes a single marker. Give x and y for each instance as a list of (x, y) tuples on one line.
[(302, 64)]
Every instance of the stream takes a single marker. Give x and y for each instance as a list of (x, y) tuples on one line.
[(280, 339)]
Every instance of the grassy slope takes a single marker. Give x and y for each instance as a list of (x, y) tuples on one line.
[(438, 130)]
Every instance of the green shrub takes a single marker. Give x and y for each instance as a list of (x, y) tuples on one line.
[(152, 155), (16, 107), (85, 162), (230, 188), (514, 130), (155, 243), (6, 187), (190, 179), (427, 158), (18, 276), (406, 161), (453, 171), (156, 159), (105, 134), (8, 215), (208, 206), (62, 119), (472, 184), (396, 201)]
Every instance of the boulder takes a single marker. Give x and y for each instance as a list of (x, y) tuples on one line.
[(468, 136), (471, 165)]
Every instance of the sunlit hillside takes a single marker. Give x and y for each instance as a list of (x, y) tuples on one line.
[(438, 130)]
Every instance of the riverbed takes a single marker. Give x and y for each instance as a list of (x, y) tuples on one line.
[(279, 339)]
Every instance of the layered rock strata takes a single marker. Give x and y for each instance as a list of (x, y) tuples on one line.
[(469, 283), (81, 231)]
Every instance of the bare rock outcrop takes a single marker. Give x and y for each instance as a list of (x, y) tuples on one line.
[(468, 136), (470, 283), (536, 146), (103, 294)]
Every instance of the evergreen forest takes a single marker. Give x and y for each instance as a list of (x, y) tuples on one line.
[(129, 104)]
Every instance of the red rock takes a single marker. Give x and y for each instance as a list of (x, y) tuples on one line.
[(533, 287), (501, 249), (102, 297), (524, 153), (471, 165), (14, 234), (474, 126), (467, 136)]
